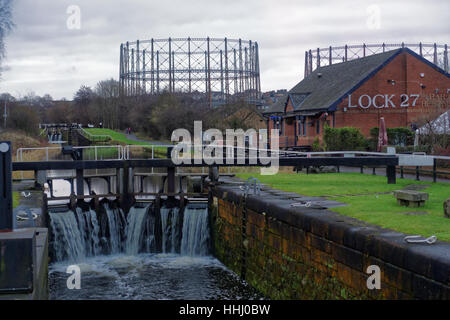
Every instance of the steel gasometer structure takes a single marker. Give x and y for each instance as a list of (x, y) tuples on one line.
[(435, 53), (218, 70)]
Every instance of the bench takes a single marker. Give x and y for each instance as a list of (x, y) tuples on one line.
[(411, 198)]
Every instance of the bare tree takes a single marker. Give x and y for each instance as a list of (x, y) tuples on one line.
[(107, 103), (432, 131), (83, 98), (6, 24)]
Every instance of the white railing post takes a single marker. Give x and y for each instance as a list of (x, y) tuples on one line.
[(153, 156)]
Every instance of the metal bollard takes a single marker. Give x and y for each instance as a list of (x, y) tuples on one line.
[(6, 201)]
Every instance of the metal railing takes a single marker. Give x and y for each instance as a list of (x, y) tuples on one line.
[(115, 152), (95, 137), (144, 152)]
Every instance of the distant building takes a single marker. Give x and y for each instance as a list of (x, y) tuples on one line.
[(271, 97), (398, 85)]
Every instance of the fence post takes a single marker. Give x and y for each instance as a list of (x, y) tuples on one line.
[(434, 170), (80, 182), (391, 176), (6, 201), (417, 173), (401, 172)]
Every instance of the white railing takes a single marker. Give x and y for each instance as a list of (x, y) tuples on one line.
[(93, 137), (117, 155), (126, 152)]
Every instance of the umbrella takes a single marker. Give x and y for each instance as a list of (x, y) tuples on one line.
[(382, 135)]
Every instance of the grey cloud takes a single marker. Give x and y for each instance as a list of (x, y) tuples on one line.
[(44, 56)]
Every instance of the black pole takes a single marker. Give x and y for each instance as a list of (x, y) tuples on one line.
[(417, 173), (391, 176), (6, 202), (401, 172), (434, 170), (80, 182)]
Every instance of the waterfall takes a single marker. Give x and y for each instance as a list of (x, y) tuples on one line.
[(68, 242), (135, 229), (116, 228), (170, 224), (79, 234), (195, 241)]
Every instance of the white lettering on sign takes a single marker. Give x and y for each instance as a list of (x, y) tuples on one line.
[(381, 101)]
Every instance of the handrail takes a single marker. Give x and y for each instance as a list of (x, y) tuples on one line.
[(120, 151), (124, 151), (93, 136)]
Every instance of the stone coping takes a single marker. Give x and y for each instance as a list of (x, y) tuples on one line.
[(431, 261)]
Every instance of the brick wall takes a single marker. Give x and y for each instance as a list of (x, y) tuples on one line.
[(406, 71), (304, 253)]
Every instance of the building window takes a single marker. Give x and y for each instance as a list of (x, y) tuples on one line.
[(334, 120), (281, 127), (304, 127), (299, 120), (318, 127)]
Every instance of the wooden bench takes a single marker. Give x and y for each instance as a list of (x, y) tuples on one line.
[(411, 198)]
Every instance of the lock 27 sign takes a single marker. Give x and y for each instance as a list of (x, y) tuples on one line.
[(380, 101)]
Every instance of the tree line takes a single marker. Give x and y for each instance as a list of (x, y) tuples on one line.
[(154, 116)]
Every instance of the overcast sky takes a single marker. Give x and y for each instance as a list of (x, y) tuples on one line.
[(45, 56)]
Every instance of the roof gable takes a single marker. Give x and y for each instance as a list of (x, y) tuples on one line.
[(330, 84), (325, 88)]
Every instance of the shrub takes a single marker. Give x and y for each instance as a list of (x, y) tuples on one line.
[(25, 119), (316, 147), (342, 139)]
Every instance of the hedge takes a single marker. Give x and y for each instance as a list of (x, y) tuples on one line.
[(344, 139)]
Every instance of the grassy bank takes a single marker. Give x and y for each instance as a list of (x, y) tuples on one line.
[(121, 138), (378, 209), (117, 137), (16, 198)]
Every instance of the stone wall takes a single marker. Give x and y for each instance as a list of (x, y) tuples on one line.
[(291, 252), (24, 272)]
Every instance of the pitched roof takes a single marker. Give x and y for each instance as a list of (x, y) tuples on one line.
[(327, 85)]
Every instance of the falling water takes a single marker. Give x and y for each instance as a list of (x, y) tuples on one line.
[(193, 274), (79, 234), (116, 228), (68, 242), (195, 241), (135, 229), (170, 224)]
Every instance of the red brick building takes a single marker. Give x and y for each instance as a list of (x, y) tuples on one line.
[(398, 85)]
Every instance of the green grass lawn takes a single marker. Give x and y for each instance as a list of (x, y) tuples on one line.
[(121, 138), (16, 198), (381, 210)]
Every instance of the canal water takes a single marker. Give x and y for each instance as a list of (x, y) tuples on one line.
[(149, 253)]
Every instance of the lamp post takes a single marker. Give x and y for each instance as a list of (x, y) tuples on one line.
[(5, 115)]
